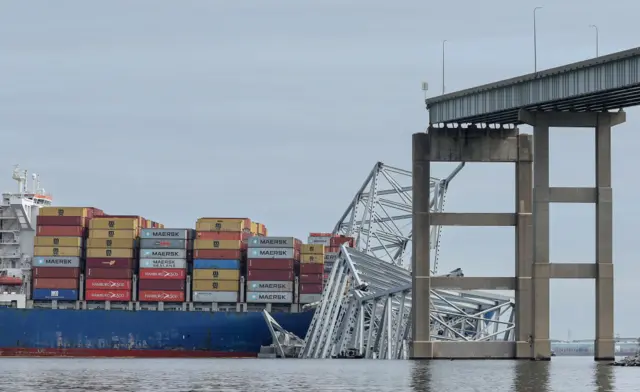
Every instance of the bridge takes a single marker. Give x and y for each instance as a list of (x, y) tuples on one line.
[(480, 125)]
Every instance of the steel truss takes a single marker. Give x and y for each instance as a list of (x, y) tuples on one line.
[(366, 305), (379, 216), (366, 310)]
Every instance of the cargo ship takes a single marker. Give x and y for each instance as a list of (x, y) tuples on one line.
[(77, 282)]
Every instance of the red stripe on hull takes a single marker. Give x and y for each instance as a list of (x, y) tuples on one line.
[(116, 353)]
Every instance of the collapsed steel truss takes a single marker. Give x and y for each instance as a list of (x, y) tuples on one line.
[(379, 216), (366, 306), (366, 309)]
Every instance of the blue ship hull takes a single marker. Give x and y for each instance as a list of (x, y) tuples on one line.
[(118, 333)]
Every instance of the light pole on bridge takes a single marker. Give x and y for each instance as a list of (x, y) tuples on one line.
[(597, 39), (535, 41)]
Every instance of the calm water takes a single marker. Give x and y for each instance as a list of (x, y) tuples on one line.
[(248, 375)]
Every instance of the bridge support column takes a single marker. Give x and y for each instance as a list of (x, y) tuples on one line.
[(471, 145), (601, 195)]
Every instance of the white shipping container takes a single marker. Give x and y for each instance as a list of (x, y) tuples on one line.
[(173, 234), (272, 242), (326, 241), (269, 285), (163, 263), (271, 253), (56, 261), (215, 296), (310, 298), (163, 253), (330, 257), (270, 297)]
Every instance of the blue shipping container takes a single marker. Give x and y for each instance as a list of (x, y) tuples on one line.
[(215, 264), (59, 294)]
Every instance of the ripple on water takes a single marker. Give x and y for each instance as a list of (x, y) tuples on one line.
[(249, 375)]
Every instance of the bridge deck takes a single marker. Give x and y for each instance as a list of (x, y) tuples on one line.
[(603, 83)]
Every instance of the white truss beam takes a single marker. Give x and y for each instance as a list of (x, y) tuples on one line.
[(366, 309), (379, 216)]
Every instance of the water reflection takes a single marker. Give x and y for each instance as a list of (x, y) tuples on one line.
[(421, 376), (604, 377), (515, 376), (530, 376)]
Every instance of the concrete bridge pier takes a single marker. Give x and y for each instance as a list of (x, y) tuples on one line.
[(601, 195), (472, 145)]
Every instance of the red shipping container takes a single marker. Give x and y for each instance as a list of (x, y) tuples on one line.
[(311, 268), (61, 231), (109, 263), (109, 273), (331, 249), (108, 295), (320, 234), (218, 254), (52, 283), (311, 278), (223, 235), (61, 221), (161, 296), (163, 273), (161, 284), (270, 264), (337, 241), (310, 288), (269, 275), (108, 284), (55, 272)]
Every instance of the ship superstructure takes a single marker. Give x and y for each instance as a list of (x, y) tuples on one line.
[(18, 213)]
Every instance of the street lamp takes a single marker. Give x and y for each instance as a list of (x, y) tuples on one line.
[(443, 46), (597, 39), (535, 41)]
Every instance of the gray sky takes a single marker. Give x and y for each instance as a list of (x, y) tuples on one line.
[(278, 110)]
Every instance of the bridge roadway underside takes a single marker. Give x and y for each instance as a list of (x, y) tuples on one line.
[(534, 269)]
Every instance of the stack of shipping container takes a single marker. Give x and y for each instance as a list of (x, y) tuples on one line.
[(311, 273), (59, 252), (111, 258), (164, 257), (332, 245), (271, 265), (117, 247), (219, 255)]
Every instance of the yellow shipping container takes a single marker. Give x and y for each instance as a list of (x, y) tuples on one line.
[(216, 274), (312, 249), (64, 211), (57, 251), (124, 234), (73, 242), (114, 223), (216, 285), (119, 243), (313, 259), (217, 244), (255, 228), (118, 253), (217, 224)]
